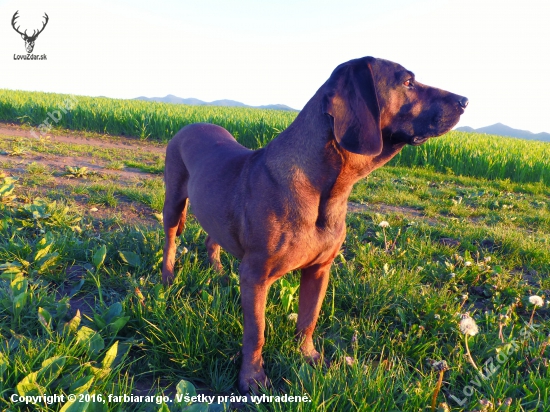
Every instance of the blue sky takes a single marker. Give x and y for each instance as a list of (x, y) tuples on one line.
[(261, 52)]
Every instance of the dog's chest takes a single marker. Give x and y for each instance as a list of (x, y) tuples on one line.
[(317, 243)]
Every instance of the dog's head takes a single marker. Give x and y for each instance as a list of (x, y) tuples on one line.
[(371, 100)]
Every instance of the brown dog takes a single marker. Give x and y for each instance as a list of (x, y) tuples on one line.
[(283, 207)]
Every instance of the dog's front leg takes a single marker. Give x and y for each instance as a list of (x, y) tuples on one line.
[(254, 288), (313, 286)]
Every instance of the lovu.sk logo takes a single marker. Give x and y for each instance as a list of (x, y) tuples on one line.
[(29, 39)]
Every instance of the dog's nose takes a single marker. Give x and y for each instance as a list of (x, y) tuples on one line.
[(463, 102)]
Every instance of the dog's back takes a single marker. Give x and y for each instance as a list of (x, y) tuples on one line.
[(204, 163)]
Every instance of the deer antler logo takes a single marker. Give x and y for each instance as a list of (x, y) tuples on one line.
[(29, 40)]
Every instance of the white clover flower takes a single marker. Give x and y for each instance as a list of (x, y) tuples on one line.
[(437, 316), (440, 365), (293, 317), (536, 300), (467, 263), (349, 360), (468, 326), (384, 224), (453, 275)]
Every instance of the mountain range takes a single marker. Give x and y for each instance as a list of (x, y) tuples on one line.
[(500, 129), (497, 129), (196, 102)]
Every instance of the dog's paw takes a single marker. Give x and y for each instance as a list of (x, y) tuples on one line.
[(314, 358), (217, 266), (251, 382), (224, 280), (167, 279)]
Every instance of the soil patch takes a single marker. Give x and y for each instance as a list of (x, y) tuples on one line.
[(113, 142), (58, 164), (384, 209)]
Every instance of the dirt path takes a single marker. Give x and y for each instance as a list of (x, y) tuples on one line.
[(113, 142), (53, 181), (127, 176), (58, 163), (382, 208)]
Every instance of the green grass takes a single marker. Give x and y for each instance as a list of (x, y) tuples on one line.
[(388, 310), (147, 120), (480, 155), (469, 231)]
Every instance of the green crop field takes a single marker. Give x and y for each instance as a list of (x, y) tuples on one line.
[(83, 311), (479, 155), (147, 120), (468, 154)]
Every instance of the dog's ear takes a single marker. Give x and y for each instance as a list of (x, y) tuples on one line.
[(350, 99)]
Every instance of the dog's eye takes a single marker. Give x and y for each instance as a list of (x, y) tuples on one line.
[(407, 83)]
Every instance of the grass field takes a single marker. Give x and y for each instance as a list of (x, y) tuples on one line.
[(468, 154), (82, 310), (146, 120), (480, 155)]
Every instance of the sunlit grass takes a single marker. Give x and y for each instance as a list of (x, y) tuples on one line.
[(388, 310), (147, 120), (480, 155), (451, 244)]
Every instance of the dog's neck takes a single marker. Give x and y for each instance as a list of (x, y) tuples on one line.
[(307, 158), (308, 147)]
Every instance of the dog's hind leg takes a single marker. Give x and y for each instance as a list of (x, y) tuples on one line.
[(174, 211)]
